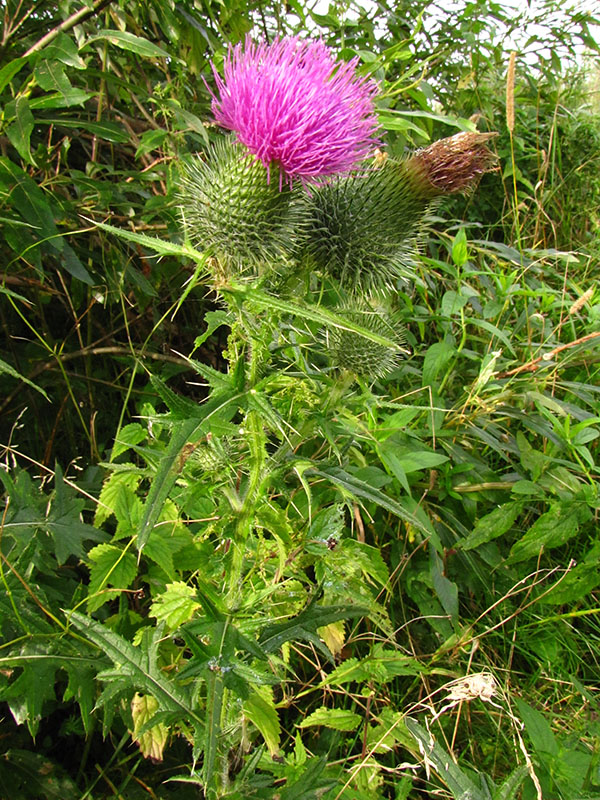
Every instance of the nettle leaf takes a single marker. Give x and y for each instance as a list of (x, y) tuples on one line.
[(128, 435), (552, 529), (175, 606), (110, 567), (116, 492), (260, 709), (337, 718)]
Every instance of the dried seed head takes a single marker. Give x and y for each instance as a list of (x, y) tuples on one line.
[(454, 164), (510, 92)]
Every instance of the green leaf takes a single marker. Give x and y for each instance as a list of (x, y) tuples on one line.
[(131, 42), (452, 302), (64, 49), (27, 694), (109, 566), (51, 77), (159, 246), (508, 789), (339, 719), (538, 730), (436, 359), (4, 367), (110, 131), (19, 132), (116, 494), (168, 469), (139, 666), (458, 783), (460, 253), (25, 775), (260, 709), (357, 488), (552, 529), (306, 311), (8, 71), (175, 606), (128, 435), (579, 581), (493, 525), (304, 625)]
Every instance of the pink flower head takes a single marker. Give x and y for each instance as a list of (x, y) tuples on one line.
[(290, 103)]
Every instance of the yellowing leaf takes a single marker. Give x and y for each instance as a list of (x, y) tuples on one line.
[(152, 742), (334, 636)]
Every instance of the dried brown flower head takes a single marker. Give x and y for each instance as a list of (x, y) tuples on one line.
[(454, 164)]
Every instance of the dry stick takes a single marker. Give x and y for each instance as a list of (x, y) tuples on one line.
[(531, 366), (67, 24)]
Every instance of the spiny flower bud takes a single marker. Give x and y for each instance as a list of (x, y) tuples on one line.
[(232, 208), (351, 351), (362, 229)]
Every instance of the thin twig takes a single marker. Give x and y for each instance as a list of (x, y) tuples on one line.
[(531, 366), (67, 24)]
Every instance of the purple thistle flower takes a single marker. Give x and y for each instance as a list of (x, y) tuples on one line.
[(290, 103)]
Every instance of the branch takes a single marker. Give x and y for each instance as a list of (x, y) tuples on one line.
[(531, 366), (67, 24)]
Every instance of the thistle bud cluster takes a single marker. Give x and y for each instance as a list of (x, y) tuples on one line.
[(302, 188)]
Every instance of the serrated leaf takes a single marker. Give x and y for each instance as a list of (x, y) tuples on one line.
[(138, 665), (349, 670), (169, 466), (128, 435), (578, 582), (175, 606), (337, 718), (27, 694), (260, 709), (357, 488), (116, 491), (110, 567)]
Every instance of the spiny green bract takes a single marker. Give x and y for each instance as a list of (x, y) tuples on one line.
[(361, 229), (351, 351), (232, 208)]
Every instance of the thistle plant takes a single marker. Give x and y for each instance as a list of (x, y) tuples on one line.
[(294, 191)]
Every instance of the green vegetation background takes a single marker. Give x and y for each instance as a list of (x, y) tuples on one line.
[(455, 504)]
